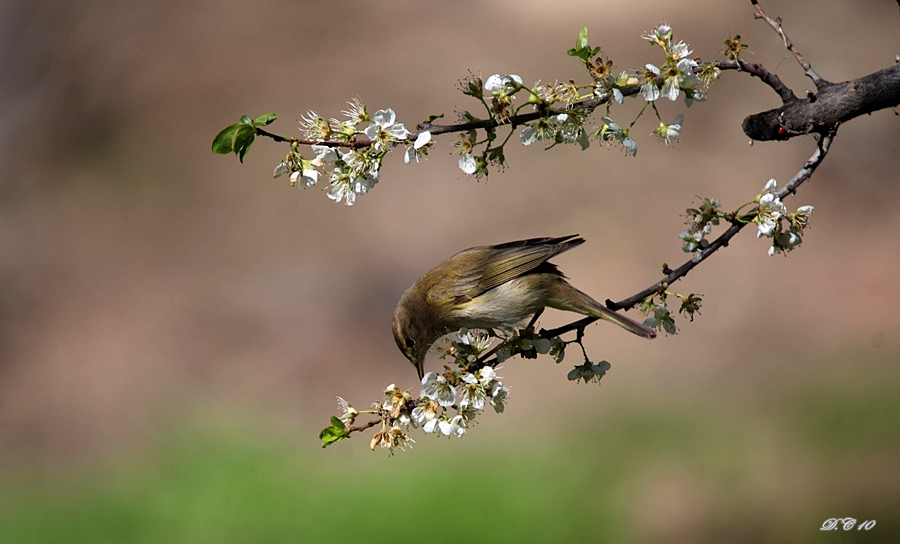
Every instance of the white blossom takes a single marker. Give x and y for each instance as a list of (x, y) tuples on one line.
[(414, 151), (679, 50), (526, 136), (425, 414), (478, 341), (486, 375), (341, 191), (672, 132), (467, 164), (693, 95), (649, 89), (348, 413), (770, 212), (670, 88), (456, 426), (280, 170), (472, 393), (356, 112), (784, 242), (612, 132), (324, 154), (660, 35), (436, 387), (307, 177), (499, 395), (502, 83), (384, 130)]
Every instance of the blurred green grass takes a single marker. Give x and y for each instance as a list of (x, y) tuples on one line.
[(717, 470)]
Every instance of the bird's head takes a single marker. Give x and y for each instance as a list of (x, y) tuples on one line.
[(412, 334)]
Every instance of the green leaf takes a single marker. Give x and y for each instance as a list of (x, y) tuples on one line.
[(583, 54), (582, 49), (336, 432), (238, 137), (223, 143), (264, 120), (432, 118), (243, 139), (582, 41)]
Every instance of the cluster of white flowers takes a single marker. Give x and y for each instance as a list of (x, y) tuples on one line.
[(469, 396), (468, 392), (370, 138), (677, 72), (354, 172), (562, 128), (589, 372), (395, 420), (770, 214)]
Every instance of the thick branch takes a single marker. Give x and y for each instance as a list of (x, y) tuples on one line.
[(834, 104), (823, 111)]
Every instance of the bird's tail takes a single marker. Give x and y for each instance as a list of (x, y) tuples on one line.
[(571, 299)]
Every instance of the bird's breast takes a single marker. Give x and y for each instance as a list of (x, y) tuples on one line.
[(502, 307)]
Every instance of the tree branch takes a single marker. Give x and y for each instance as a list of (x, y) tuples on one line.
[(834, 104), (776, 25), (739, 223), (364, 426), (767, 77)]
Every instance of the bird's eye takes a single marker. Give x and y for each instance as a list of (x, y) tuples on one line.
[(410, 343)]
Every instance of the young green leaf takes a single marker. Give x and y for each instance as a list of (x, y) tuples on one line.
[(264, 120), (336, 422), (238, 137), (582, 41), (223, 143), (243, 139), (335, 432)]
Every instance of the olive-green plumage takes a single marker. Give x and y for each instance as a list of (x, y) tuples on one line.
[(492, 287)]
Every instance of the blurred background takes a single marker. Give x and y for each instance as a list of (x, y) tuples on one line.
[(175, 325)]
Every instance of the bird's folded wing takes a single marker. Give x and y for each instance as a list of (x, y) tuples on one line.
[(509, 261)]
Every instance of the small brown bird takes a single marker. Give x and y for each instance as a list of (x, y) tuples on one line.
[(492, 287)]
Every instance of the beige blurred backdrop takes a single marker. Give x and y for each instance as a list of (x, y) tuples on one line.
[(144, 278)]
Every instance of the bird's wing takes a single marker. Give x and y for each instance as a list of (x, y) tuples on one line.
[(505, 262)]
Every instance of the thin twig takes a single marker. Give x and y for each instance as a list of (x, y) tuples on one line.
[(364, 426), (767, 77), (776, 25), (354, 144)]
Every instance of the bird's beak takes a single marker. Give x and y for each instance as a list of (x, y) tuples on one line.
[(420, 368)]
